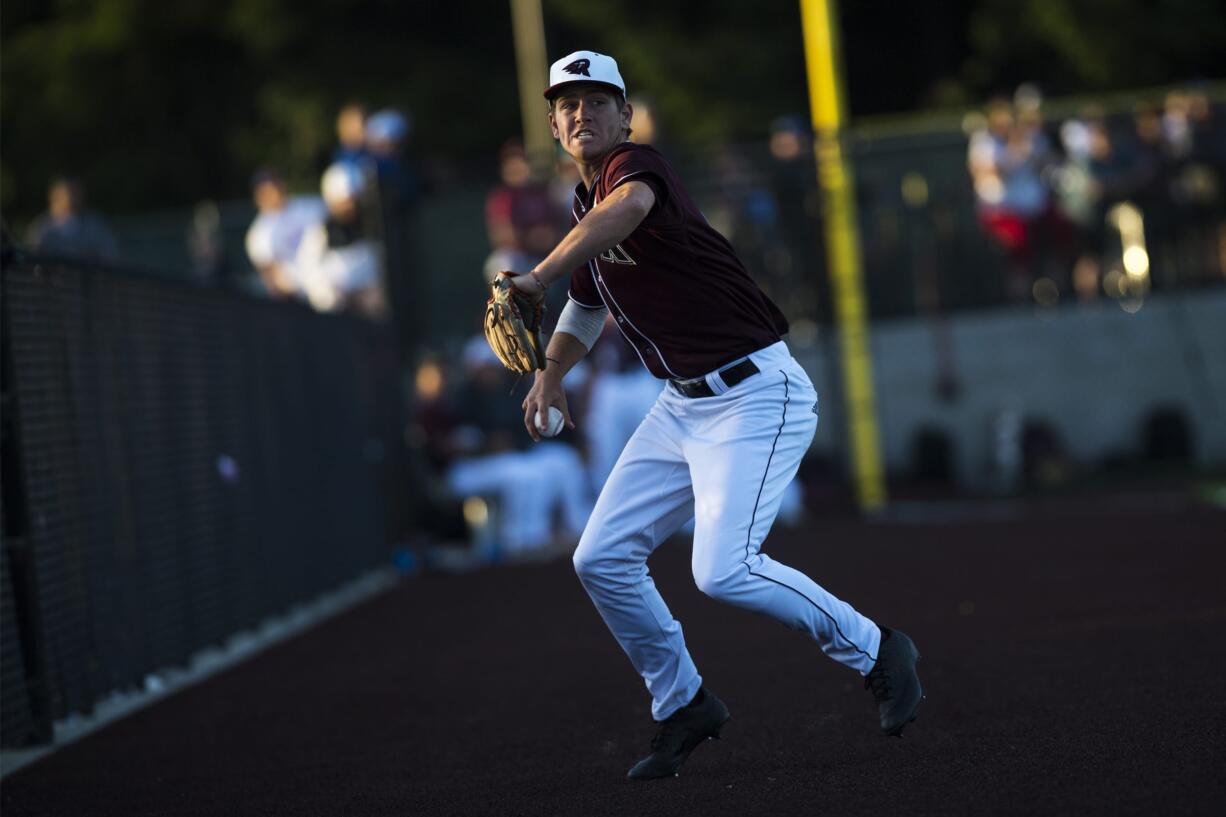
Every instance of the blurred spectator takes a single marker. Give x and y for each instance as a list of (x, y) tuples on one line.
[(338, 258), (1100, 172), (522, 222), (275, 236), (745, 212), (433, 419), (1177, 125), (206, 246), (1007, 159), (397, 190), (562, 190), (1195, 143), (387, 138), (351, 135), (1208, 129), (645, 125), (1153, 194), (494, 457), (519, 213), (69, 228), (793, 259), (621, 392)]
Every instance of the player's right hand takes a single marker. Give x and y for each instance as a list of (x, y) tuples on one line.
[(546, 391)]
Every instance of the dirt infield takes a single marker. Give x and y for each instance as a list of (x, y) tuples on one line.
[(1073, 657)]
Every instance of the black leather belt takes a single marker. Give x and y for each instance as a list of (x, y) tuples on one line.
[(697, 387)]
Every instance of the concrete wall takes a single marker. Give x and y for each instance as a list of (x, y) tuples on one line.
[(1093, 373)]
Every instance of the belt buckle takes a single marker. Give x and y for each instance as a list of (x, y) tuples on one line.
[(691, 387)]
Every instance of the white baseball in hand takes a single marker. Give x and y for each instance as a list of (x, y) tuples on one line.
[(553, 426)]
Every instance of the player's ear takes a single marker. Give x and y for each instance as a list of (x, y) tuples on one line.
[(627, 114), (553, 123)]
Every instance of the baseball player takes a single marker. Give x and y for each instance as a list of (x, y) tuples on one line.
[(722, 441)]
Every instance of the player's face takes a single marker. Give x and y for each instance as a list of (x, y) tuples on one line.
[(589, 121)]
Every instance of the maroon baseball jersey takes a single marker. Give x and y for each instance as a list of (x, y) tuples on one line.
[(679, 294)]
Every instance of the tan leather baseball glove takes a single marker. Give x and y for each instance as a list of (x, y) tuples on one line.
[(513, 326)]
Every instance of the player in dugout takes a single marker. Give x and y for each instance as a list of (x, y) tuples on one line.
[(724, 438)]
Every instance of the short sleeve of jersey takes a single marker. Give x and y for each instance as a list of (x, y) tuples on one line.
[(641, 165)]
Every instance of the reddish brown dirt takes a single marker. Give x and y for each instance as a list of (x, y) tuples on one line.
[(1073, 658)]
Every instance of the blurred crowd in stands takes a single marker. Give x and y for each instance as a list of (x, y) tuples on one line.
[(532, 499), (343, 250), (1078, 207), (69, 227), (1096, 202)]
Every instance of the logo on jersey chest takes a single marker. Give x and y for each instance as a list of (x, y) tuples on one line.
[(617, 255)]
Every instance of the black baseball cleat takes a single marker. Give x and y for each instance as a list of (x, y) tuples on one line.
[(680, 734), (894, 683)]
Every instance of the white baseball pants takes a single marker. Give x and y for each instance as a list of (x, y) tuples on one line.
[(725, 460)]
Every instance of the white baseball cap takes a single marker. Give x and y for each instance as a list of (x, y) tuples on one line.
[(585, 66)]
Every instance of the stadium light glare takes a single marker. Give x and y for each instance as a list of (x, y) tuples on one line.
[(1128, 220), (1136, 262), (476, 512)]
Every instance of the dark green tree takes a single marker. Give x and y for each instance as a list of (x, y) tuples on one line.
[(158, 103)]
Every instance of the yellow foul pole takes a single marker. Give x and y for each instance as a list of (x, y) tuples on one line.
[(528, 24), (819, 19)]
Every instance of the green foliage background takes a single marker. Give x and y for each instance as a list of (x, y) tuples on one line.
[(159, 103)]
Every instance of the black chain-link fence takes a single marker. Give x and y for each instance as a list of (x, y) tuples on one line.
[(179, 463)]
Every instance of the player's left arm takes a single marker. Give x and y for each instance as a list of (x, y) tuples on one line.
[(608, 224)]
